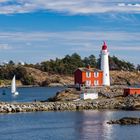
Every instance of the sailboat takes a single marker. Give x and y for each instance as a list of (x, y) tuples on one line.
[(13, 86)]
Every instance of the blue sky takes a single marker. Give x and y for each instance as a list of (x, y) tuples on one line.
[(38, 30)]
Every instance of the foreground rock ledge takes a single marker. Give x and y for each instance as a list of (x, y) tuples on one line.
[(126, 121), (56, 106), (103, 103), (45, 106)]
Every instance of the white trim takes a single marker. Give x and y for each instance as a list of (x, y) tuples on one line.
[(88, 83), (96, 82), (96, 74), (88, 74)]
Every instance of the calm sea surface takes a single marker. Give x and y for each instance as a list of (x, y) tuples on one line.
[(83, 125), (76, 125), (29, 94)]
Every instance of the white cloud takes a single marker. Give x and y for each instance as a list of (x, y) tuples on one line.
[(42, 44), (121, 4), (129, 5), (4, 0), (72, 40), (23, 36), (4, 47), (70, 36), (133, 5), (69, 6), (126, 48), (93, 47)]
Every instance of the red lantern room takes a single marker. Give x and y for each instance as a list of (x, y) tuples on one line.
[(104, 47)]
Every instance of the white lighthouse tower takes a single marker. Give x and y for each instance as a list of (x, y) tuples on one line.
[(105, 65)]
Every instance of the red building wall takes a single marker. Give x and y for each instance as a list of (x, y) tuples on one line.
[(80, 77), (131, 91)]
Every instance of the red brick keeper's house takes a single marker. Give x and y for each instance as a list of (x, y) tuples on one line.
[(88, 76)]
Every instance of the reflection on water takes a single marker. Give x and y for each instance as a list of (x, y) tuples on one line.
[(82, 125), (92, 125)]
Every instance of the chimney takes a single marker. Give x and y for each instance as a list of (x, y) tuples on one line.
[(88, 66)]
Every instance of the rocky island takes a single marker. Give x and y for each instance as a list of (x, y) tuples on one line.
[(66, 100), (126, 121)]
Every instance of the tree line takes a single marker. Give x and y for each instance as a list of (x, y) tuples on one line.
[(7, 72), (64, 66), (70, 63)]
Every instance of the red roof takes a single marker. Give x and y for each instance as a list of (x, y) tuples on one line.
[(104, 47), (91, 69)]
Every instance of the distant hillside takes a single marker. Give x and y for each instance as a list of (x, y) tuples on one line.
[(32, 76), (44, 78), (60, 71), (125, 78)]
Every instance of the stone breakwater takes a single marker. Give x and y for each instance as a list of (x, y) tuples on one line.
[(128, 103), (55, 106)]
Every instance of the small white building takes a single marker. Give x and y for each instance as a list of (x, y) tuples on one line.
[(89, 94)]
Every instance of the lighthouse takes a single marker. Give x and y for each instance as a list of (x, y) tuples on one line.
[(105, 65)]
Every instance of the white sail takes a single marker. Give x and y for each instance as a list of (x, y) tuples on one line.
[(13, 86)]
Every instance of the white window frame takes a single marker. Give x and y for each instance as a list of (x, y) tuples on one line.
[(88, 83), (96, 74), (96, 82), (88, 74)]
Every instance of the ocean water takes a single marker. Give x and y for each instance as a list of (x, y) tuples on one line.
[(29, 94), (77, 125), (67, 125)]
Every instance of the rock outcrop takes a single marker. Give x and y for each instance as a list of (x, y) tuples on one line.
[(126, 121), (46, 79), (125, 77), (68, 94)]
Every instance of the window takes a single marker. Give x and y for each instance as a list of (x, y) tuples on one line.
[(88, 83), (96, 74), (88, 74), (96, 82)]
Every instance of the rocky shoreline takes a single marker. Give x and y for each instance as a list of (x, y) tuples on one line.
[(45, 106), (113, 103), (69, 99)]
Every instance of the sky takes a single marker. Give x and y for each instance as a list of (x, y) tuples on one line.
[(37, 30)]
